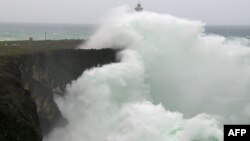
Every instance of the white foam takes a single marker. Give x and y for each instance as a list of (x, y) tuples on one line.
[(171, 73)]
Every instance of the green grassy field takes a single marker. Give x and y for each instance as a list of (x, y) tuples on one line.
[(12, 48)]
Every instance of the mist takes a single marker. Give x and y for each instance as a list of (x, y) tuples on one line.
[(173, 82)]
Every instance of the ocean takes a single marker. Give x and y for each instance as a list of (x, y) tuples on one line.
[(242, 31), (15, 31)]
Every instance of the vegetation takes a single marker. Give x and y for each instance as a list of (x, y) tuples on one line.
[(13, 48)]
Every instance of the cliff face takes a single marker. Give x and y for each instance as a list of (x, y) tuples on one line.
[(28, 83), (45, 74), (18, 117)]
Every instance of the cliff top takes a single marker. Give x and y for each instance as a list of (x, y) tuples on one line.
[(13, 48)]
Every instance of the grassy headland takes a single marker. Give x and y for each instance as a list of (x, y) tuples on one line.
[(13, 48)]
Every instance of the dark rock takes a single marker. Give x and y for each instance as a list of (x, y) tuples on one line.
[(48, 73), (18, 117), (28, 83)]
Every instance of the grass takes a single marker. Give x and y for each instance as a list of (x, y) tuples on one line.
[(13, 48)]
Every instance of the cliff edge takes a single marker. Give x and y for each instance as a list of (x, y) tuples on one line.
[(46, 74), (28, 82)]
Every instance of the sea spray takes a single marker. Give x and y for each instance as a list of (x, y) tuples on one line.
[(170, 74)]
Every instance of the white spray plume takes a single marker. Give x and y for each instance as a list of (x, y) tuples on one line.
[(171, 73)]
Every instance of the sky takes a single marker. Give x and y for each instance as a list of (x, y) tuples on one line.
[(213, 12)]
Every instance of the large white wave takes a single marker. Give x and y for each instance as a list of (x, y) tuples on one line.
[(174, 83)]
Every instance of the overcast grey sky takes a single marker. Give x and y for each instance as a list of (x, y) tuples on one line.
[(89, 11)]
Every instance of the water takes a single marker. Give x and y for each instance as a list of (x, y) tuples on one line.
[(14, 31), (230, 31), (174, 83)]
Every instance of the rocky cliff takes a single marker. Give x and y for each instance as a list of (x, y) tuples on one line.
[(18, 116), (45, 74), (28, 83)]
